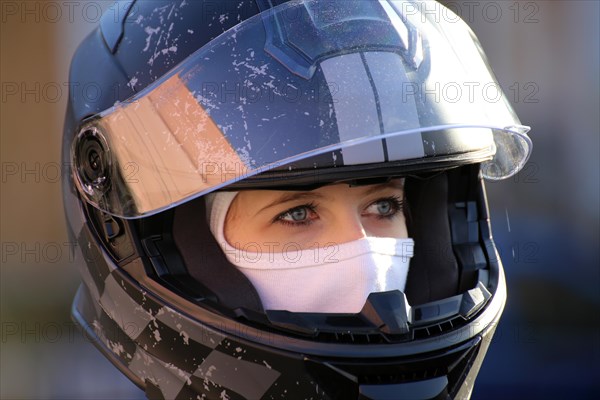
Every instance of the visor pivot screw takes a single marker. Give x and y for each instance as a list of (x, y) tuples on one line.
[(92, 160)]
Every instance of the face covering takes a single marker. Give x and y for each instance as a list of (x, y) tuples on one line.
[(336, 278)]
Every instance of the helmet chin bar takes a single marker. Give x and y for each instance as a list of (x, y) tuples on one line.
[(386, 317)]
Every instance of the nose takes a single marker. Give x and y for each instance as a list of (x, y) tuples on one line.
[(349, 227)]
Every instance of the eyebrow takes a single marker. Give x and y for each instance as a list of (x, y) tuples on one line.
[(392, 184), (289, 197)]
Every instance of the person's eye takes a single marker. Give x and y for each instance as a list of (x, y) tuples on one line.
[(297, 216), (385, 208)]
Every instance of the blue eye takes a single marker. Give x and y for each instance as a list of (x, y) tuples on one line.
[(297, 214), (301, 215), (385, 208)]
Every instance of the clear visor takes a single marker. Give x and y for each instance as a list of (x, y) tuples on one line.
[(348, 82)]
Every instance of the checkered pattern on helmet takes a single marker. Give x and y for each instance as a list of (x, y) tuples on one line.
[(164, 347)]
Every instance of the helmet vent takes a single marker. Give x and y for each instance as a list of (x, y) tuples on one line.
[(439, 328)]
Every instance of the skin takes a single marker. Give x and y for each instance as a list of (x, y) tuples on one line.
[(331, 214)]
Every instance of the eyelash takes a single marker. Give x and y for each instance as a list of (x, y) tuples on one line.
[(396, 202)]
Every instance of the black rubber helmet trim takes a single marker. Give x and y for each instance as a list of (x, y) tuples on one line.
[(434, 272)]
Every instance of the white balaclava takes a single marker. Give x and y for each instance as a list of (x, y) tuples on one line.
[(336, 278)]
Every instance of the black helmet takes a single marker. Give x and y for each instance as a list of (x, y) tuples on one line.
[(200, 96)]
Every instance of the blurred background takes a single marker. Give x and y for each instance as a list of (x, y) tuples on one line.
[(545, 220)]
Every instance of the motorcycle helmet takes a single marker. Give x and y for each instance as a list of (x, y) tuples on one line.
[(196, 97)]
